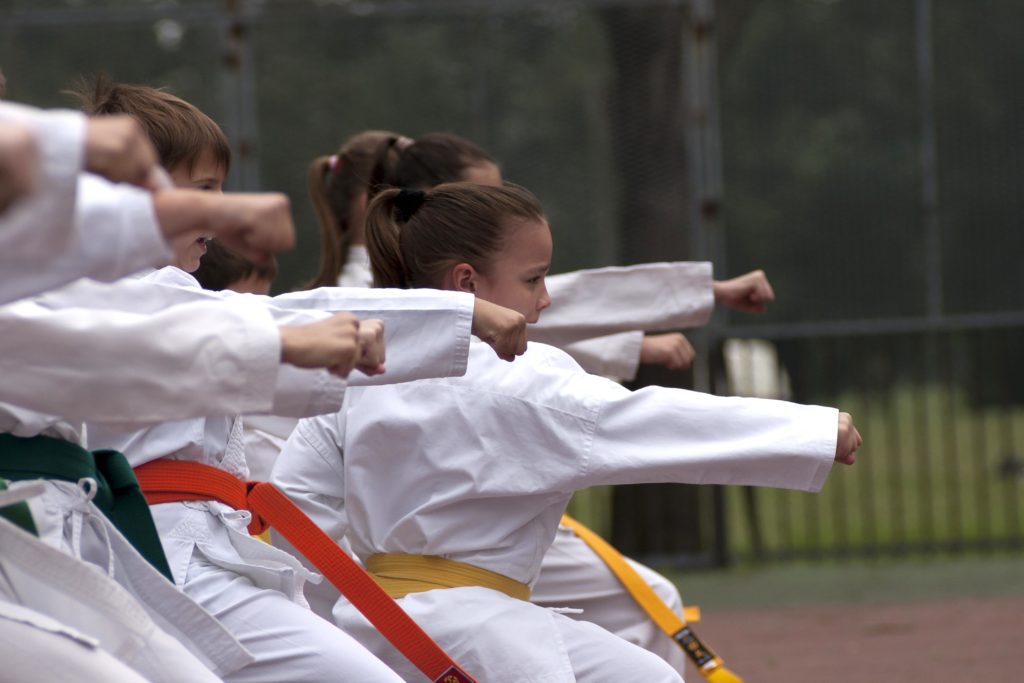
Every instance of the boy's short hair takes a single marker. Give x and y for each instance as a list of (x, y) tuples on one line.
[(220, 268), (180, 132)]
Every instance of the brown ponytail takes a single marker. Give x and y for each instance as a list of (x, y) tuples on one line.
[(415, 244), (383, 243)]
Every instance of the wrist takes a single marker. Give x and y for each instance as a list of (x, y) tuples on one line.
[(718, 289), (181, 211)]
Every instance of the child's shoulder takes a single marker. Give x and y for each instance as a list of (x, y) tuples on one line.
[(537, 356), (175, 277)]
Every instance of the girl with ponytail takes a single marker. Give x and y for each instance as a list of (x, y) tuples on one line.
[(340, 185), (451, 490)]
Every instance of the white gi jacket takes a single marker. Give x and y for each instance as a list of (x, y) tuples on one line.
[(479, 469), (99, 613), (113, 233), (602, 301), (75, 224), (82, 363), (38, 227), (426, 335)]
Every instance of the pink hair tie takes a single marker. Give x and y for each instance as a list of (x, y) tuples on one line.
[(334, 162)]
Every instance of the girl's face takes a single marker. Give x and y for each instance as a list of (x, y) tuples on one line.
[(516, 277), (205, 174)]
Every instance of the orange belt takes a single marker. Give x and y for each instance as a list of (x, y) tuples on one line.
[(169, 481)]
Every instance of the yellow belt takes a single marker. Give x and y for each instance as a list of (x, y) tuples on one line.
[(707, 662), (399, 574)]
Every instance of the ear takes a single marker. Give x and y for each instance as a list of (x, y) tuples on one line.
[(462, 278)]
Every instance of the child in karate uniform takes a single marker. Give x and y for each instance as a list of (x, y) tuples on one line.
[(451, 490), (587, 305)]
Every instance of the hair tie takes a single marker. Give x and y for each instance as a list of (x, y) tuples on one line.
[(334, 163), (407, 202)]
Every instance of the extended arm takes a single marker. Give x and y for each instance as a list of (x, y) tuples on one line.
[(193, 360), (650, 297)]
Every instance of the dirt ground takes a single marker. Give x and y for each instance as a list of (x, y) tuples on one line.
[(961, 639)]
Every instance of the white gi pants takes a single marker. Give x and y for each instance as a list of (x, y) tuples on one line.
[(572, 575), (248, 587), (499, 639), (67, 520), (34, 647)]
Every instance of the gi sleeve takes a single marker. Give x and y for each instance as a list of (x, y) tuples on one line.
[(114, 232), (615, 356), (426, 331), (204, 358), (659, 434), (40, 226), (650, 297)]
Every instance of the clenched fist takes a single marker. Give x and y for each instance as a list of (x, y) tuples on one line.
[(848, 440), (750, 293), (503, 329), (117, 148), (332, 343), (672, 350)]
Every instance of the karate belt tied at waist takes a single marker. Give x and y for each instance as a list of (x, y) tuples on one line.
[(168, 481), (710, 665), (400, 574), (117, 490)]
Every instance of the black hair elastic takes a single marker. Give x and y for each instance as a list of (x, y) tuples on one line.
[(407, 202)]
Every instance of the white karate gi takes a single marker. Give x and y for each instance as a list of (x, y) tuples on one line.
[(113, 233), (38, 227), (603, 301), (35, 647), (356, 272), (479, 469), (124, 606), (654, 296), (83, 363), (254, 589), (75, 224)]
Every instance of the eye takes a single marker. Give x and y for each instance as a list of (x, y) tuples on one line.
[(535, 279)]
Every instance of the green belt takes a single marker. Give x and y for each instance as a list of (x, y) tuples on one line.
[(117, 495), (18, 513)]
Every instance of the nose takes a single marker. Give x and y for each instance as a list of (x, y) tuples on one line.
[(545, 299)]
